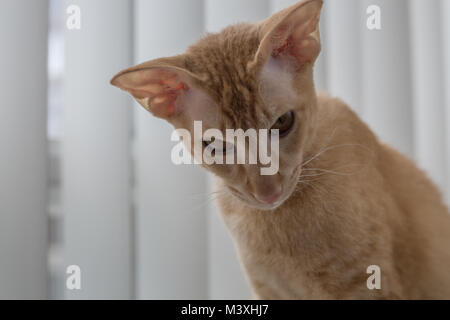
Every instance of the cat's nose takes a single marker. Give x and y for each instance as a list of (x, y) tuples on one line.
[(269, 197)]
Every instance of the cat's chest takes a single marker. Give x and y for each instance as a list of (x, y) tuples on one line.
[(280, 253), (285, 233)]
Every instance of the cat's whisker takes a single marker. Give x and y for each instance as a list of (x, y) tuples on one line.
[(312, 175), (325, 171), (321, 169), (313, 186), (329, 149), (325, 146), (310, 183), (202, 195), (309, 180), (202, 205)]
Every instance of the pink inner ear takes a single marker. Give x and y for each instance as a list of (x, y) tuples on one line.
[(303, 50), (163, 95), (161, 87), (283, 49), (298, 32)]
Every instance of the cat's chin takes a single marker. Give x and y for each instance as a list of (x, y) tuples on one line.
[(257, 205), (272, 207), (266, 207), (283, 199)]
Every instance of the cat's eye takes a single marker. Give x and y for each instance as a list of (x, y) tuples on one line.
[(285, 123), (218, 147)]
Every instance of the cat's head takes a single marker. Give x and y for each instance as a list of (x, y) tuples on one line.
[(249, 76)]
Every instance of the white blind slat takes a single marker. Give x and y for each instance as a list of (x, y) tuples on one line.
[(343, 47), (96, 151), (171, 214), (445, 24), (386, 82), (23, 143), (428, 89)]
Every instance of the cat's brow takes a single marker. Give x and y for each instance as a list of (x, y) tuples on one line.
[(223, 59)]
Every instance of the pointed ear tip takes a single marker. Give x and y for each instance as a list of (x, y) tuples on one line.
[(320, 4), (115, 80), (317, 4)]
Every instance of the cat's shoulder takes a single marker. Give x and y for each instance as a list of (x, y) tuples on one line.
[(335, 115), (334, 109)]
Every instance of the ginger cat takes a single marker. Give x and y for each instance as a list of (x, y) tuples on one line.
[(342, 201)]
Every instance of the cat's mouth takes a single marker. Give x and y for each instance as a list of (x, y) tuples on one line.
[(271, 202), (269, 206), (255, 204)]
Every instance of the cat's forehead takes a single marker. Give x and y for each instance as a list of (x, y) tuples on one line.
[(222, 60)]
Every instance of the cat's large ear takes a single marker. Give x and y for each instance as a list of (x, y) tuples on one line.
[(158, 85), (291, 34)]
